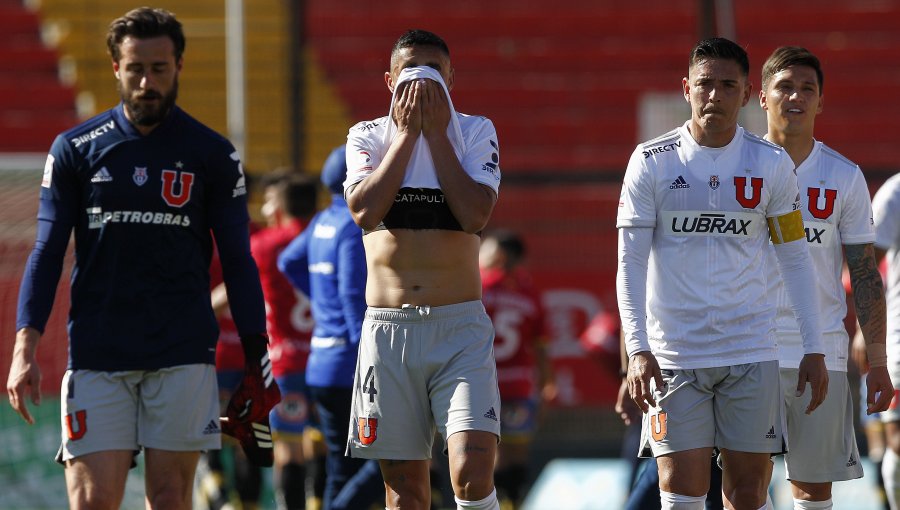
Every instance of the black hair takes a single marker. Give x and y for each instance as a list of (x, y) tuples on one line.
[(787, 56), (721, 48), (144, 23)]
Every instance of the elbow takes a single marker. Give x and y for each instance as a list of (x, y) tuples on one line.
[(365, 219)]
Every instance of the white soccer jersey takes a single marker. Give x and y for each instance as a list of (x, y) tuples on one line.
[(886, 208), (480, 155), (836, 211), (706, 286)]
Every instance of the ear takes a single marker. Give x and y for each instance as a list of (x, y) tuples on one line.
[(115, 66), (389, 81), (748, 90), (179, 64), (762, 100), (821, 104), (450, 79), (686, 89)]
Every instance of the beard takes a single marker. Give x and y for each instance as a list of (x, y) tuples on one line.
[(147, 114)]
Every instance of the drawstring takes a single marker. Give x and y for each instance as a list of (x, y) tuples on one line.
[(423, 310)]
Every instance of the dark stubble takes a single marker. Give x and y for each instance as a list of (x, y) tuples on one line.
[(146, 114)]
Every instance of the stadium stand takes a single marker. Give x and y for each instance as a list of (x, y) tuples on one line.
[(34, 104)]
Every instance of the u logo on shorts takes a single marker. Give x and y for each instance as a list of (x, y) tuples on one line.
[(368, 430), (658, 426), (80, 418)]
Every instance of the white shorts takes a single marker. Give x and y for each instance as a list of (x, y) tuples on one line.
[(735, 407), (175, 408), (821, 445), (893, 412), (420, 369)]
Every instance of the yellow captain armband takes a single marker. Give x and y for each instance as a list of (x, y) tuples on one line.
[(786, 228)]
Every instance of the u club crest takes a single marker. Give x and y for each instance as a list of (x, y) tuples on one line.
[(140, 175), (714, 182)]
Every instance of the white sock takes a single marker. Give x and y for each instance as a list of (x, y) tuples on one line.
[(488, 503), (672, 501), (890, 470), (800, 504)]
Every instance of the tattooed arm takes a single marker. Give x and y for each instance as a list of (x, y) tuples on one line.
[(868, 297)]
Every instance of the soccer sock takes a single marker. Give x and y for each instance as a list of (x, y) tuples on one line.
[(800, 504), (891, 472), (488, 503), (291, 486), (315, 477), (247, 479), (672, 501)]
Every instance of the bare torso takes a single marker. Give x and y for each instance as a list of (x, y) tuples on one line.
[(421, 267)]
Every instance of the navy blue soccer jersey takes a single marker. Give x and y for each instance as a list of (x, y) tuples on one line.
[(144, 210)]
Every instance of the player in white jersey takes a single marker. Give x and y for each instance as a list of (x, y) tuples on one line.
[(422, 183), (837, 214), (697, 208), (886, 208)]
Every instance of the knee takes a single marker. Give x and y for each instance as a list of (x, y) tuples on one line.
[(473, 481), (408, 496), (93, 500), (746, 496), (173, 495)]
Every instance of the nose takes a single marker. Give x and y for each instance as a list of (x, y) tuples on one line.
[(147, 82), (714, 94)]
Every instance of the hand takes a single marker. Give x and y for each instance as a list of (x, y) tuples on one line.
[(407, 110), (641, 368), (812, 370), (255, 439), (257, 393), (24, 374), (879, 390), (626, 407), (435, 110), (858, 351)]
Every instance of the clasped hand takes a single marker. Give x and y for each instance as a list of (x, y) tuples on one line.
[(421, 106)]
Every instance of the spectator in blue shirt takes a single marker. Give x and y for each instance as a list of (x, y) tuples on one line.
[(328, 263)]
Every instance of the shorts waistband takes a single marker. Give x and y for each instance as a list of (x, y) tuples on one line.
[(419, 313)]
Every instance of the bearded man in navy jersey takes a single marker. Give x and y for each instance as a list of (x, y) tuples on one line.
[(145, 187)]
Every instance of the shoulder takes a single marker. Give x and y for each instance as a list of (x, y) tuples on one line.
[(96, 130), (204, 136), (476, 126), (836, 163), (891, 187), (669, 142), (369, 128), (759, 143)]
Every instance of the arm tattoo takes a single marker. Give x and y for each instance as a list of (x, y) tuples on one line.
[(868, 291)]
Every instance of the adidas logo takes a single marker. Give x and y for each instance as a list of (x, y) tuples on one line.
[(771, 433), (263, 435), (852, 462), (102, 175), (491, 415), (679, 183), (211, 428)]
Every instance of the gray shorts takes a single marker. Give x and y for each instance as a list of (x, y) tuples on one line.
[(735, 407), (174, 409), (420, 369), (821, 445)]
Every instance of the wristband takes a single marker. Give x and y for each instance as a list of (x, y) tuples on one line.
[(877, 354)]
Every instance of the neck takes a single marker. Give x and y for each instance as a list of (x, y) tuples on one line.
[(711, 139), (797, 146), (142, 129)]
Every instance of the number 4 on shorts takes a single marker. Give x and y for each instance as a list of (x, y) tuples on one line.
[(369, 384)]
